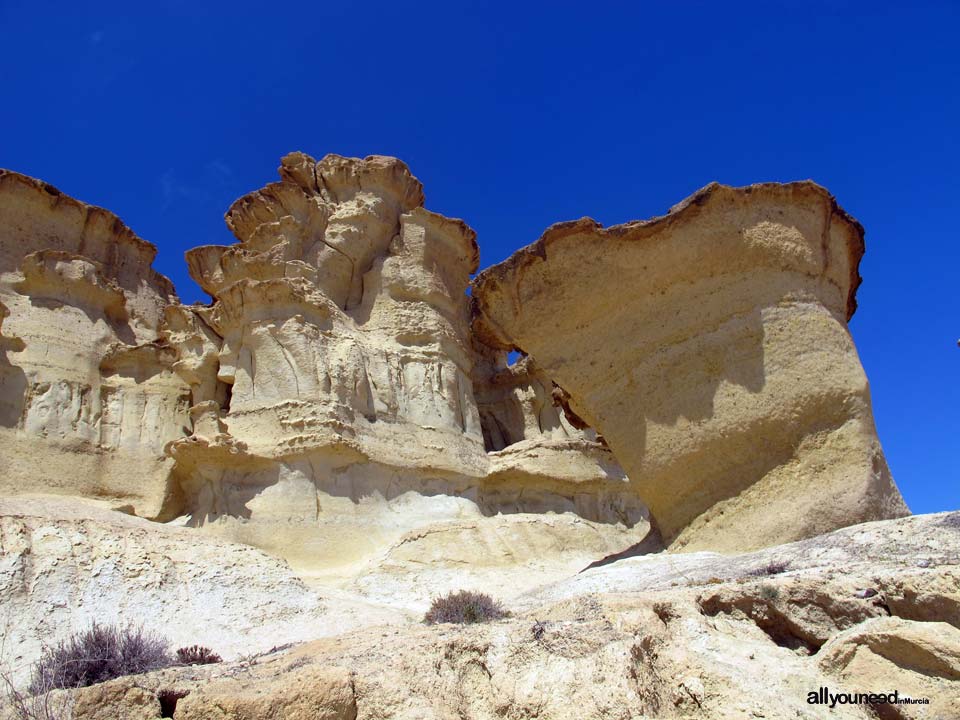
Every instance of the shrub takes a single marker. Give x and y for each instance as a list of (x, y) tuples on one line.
[(42, 706), (951, 521), (464, 607), (775, 567), (197, 655), (769, 592), (99, 654), (665, 611)]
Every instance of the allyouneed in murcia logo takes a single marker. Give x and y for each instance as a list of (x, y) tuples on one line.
[(823, 696)]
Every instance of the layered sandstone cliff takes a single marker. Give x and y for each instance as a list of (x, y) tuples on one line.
[(87, 396), (347, 403), (710, 348), (334, 395), (322, 406)]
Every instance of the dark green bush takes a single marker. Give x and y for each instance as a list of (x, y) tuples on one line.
[(464, 607), (99, 654)]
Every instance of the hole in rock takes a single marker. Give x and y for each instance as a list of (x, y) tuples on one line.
[(168, 701), (767, 616), (226, 397)]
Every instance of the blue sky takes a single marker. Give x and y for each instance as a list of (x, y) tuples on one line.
[(518, 115)]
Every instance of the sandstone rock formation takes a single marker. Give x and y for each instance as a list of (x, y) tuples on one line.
[(87, 396), (66, 564), (334, 381), (336, 377), (343, 404), (322, 407), (710, 348), (918, 659)]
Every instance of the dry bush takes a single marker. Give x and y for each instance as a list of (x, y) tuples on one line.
[(96, 655), (774, 567), (464, 607), (769, 593), (197, 655), (43, 705)]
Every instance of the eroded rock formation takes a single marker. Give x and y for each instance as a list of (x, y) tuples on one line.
[(334, 396), (87, 396), (337, 404), (871, 608), (322, 406), (711, 350)]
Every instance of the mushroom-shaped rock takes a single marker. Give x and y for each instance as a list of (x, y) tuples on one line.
[(710, 349)]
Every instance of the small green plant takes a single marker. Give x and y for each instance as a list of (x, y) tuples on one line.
[(197, 655), (769, 592), (464, 607), (96, 655)]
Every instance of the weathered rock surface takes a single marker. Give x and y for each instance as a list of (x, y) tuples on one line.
[(917, 659), (333, 381), (87, 396), (665, 636), (65, 564), (322, 407), (308, 693), (337, 405), (710, 348)]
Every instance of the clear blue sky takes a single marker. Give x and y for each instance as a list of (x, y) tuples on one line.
[(517, 115)]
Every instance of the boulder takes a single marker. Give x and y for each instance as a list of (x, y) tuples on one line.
[(918, 660)]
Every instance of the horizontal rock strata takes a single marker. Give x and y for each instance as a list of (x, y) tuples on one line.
[(88, 399), (710, 348)]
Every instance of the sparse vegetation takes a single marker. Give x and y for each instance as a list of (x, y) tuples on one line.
[(769, 592), (951, 521), (197, 655), (665, 611), (774, 567), (96, 655), (41, 706), (464, 607), (538, 629)]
